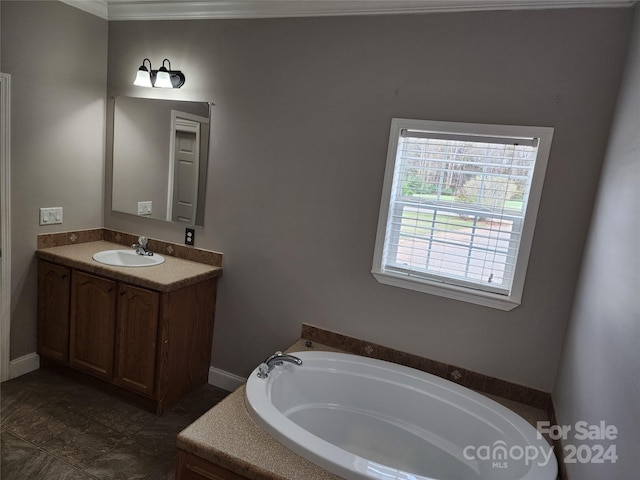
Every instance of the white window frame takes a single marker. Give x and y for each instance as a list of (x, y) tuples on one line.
[(472, 294)]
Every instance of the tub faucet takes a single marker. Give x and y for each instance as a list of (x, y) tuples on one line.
[(277, 358), (141, 247)]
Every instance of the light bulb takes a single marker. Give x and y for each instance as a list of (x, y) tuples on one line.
[(143, 79), (163, 79)]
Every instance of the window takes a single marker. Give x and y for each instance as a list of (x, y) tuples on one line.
[(458, 209)]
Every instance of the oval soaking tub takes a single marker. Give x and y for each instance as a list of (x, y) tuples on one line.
[(362, 418)]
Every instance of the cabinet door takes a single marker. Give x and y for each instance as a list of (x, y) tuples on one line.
[(136, 338), (93, 316), (54, 283)]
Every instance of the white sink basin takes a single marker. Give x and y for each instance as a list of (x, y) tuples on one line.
[(127, 258)]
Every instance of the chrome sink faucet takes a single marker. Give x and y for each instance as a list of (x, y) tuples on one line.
[(141, 247), (277, 358)]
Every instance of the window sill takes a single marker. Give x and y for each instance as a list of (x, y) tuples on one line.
[(486, 299)]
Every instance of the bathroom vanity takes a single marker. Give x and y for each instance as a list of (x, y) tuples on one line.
[(142, 333)]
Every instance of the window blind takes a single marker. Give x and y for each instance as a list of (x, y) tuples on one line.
[(457, 207)]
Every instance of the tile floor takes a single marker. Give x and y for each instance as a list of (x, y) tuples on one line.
[(54, 428)]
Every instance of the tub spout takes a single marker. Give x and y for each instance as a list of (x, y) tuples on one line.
[(277, 358)]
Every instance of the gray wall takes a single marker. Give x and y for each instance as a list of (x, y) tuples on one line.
[(57, 57), (599, 374), (300, 132), (142, 147)]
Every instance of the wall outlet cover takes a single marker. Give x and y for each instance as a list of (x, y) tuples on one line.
[(189, 236)]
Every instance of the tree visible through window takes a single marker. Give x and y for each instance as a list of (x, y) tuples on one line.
[(456, 206)]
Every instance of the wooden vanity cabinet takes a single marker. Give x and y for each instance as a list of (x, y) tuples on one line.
[(153, 347), (114, 329)]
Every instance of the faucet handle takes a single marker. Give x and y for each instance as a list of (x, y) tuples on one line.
[(142, 240), (263, 370)]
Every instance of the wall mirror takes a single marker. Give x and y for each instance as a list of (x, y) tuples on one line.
[(160, 157)]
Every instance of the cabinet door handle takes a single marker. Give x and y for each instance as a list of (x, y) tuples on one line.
[(122, 293), (62, 277), (109, 289)]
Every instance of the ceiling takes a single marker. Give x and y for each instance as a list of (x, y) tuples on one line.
[(206, 9)]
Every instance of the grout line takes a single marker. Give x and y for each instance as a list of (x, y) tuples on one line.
[(43, 450)]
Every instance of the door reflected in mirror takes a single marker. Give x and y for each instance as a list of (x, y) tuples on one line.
[(160, 159)]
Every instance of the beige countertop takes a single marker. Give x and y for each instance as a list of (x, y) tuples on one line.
[(227, 436), (173, 274)]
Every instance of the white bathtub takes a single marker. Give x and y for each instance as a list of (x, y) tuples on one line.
[(362, 418)]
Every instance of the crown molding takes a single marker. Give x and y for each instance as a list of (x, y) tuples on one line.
[(100, 8), (228, 9)]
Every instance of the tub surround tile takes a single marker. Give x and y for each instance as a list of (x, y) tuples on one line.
[(303, 345), (526, 395), (495, 386), (461, 376), (327, 337), (474, 380), (531, 414)]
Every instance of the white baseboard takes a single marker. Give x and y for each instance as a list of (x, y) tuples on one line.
[(219, 378), (225, 380), (25, 364)]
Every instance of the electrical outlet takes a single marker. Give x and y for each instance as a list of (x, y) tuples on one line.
[(50, 216), (189, 236)]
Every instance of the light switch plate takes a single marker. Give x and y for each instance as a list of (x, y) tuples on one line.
[(50, 215), (144, 208)]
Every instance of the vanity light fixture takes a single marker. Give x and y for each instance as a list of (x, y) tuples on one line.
[(162, 78)]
